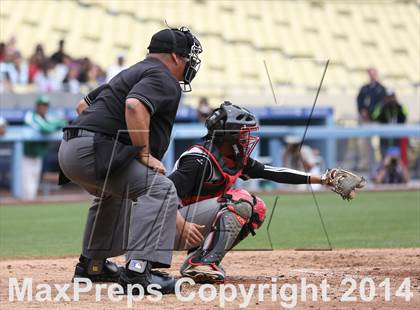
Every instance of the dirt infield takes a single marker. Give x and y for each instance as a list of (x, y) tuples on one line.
[(249, 268)]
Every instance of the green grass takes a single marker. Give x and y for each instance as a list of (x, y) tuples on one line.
[(42, 230), (373, 220)]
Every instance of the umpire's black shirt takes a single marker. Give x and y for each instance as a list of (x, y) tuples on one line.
[(149, 81)]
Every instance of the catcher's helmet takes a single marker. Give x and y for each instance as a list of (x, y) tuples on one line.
[(233, 124)]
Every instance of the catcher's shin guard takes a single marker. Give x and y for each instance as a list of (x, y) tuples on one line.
[(226, 227), (203, 264)]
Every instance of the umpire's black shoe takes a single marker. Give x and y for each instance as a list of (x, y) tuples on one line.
[(97, 270), (140, 272)]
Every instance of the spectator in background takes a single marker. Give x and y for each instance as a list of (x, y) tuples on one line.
[(392, 170), (6, 85), (35, 61), (62, 69), (85, 65), (302, 158), (4, 76), (3, 126), (59, 55), (203, 109), (5, 155), (2, 52), (40, 121), (21, 69), (369, 96), (13, 69), (45, 80), (11, 48), (390, 111), (70, 83), (97, 76), (116, 68), (18, 70)]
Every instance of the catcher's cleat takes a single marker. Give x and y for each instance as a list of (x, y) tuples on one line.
[(201, 273), (100, 270), (140, 272)]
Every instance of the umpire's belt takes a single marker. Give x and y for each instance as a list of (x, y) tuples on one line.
[(71, 133)]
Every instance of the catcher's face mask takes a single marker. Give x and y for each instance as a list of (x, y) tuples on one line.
[(247, 141), (242, 142)]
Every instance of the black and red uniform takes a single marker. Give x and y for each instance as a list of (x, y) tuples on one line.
[(202, 172)]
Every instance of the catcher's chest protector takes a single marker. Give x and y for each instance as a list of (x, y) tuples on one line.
[(221, 177)]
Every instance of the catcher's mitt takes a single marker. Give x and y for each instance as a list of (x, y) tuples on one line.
[(343, 182)]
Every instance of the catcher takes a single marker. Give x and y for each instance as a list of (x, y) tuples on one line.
[(214, 217)]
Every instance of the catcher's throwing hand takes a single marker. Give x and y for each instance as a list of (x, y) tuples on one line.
[(192, 234), (343, 182), (152, 162)]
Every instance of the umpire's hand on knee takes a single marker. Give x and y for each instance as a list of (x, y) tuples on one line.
[(152, 163)]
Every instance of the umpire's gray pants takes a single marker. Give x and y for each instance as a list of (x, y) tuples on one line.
[(144, 230)]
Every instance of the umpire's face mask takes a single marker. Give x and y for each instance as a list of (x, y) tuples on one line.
[(192, 66)]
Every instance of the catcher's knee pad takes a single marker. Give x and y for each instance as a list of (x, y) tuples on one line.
[(258, 213), (258, 206), (255, 222)]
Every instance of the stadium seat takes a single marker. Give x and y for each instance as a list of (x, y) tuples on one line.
[(236, 36)]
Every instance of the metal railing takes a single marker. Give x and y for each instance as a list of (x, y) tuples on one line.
[(329, 134)]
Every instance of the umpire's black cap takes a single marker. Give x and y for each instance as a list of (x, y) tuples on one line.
[(171, 41)]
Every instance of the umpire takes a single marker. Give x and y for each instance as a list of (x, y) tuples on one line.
[(113, 150)]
